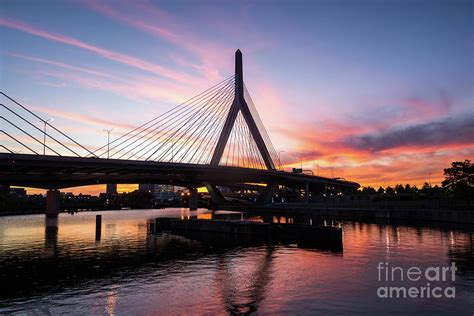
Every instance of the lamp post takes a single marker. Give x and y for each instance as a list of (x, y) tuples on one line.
[(429, 179), (108, 140), (44, 134)]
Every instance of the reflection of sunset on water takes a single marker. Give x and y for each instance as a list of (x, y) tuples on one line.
[(146, 272)]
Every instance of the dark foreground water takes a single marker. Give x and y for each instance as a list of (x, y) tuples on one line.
[(49, 267)]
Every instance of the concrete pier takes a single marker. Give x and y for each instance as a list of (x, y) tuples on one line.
[(302, 235), (52, 203), (51, 232), (216, 196)]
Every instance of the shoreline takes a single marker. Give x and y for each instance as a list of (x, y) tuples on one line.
[(390, 214), (385, 215)]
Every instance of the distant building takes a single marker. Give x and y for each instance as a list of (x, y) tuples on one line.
[(146, 187), (111, 189), (155, 188), (20, 192), (164, 188), (83, 196), (161, 191), (67, 195)]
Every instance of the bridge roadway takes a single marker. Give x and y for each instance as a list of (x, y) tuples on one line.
[(57, 172)]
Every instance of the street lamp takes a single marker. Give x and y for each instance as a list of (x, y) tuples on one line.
[(108, 140), (44, 133)]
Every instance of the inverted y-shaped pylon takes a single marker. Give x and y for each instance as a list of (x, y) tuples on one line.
[(240, 105)]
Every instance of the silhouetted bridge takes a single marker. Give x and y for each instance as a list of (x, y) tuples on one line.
[(214, 139)]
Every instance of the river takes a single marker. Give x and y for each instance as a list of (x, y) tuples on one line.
[(54, 267)]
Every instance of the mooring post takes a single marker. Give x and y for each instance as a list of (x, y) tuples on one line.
[(52, 203), (98, 226)]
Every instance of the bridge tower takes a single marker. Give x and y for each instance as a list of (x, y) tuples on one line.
[(239, 104)]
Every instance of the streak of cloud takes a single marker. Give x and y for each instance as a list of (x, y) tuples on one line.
[(111, 55), (459, 130)]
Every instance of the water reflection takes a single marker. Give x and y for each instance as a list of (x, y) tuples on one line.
[(134, 269), (51, 234), (243, 291), (112, 298)]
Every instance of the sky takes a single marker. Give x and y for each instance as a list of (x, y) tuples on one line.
[(377, 92)]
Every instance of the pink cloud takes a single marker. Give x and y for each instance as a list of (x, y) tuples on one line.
[(115, 56), (142, 89), (154, 21), (62, 65), (137, 88)]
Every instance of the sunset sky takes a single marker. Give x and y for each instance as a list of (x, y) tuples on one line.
[(378, 92)]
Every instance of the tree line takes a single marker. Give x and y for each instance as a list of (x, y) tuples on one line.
[(458, 183)]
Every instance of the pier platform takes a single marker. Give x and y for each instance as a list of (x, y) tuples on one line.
[(321, 237)]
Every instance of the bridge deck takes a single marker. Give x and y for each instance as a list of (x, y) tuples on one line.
[(61, 172)]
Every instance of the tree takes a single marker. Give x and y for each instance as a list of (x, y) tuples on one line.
[(380, 191), (399, 188), (368, 190), (389, 190), (459, 179)]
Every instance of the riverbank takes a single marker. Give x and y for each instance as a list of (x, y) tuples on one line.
[(407, 215)]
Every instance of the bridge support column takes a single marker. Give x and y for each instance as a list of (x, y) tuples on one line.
[(51, 232), (216, 195), (52, 203), (265, 197), (193, 199)]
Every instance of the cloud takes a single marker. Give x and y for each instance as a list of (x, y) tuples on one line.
[(135, 87), (209, 57), (111, 55), (458, 130), (62, 65), (149, 18)]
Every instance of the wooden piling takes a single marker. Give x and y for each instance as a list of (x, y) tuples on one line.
[(98, 226)]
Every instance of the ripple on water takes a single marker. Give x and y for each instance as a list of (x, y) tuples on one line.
[(48, 267)]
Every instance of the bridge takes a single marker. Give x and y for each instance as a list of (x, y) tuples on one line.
[(214, 139)]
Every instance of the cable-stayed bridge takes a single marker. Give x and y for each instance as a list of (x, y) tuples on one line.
[(214, 139)]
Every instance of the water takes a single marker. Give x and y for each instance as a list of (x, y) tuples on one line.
[(55, 268)]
